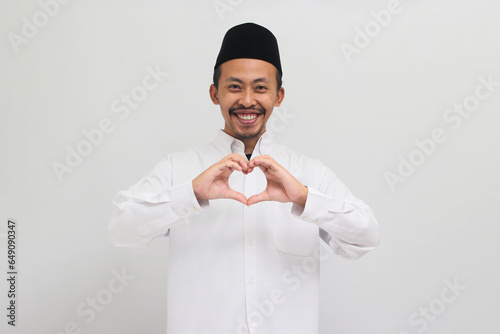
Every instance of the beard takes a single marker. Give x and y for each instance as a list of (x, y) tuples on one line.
[(247, 135)]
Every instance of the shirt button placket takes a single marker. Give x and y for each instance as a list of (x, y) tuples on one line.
[(249, 221)]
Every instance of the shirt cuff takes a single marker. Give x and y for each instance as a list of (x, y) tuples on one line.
[(185, 200), (181, 203), (318, 206)]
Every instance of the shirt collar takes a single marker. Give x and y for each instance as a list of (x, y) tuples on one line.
[(228, 144)]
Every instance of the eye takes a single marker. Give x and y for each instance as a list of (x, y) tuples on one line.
[(261, 88), (234, 87)]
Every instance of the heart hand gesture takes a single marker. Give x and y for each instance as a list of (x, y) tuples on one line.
[(214, 182), (281, 185)]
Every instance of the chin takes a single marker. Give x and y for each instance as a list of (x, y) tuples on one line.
[(249, 135)]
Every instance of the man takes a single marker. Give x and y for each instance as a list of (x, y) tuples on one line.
[(244, 231)]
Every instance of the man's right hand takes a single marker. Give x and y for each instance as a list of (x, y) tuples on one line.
[(214, 182)]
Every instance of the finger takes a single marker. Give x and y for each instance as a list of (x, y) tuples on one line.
[(244, 166), (233, 165), (262, 197), (263, 161), (232, 194), (236, 156), (248, 171), (243, 162)]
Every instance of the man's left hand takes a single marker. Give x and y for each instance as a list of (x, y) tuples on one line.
[(281, 185)]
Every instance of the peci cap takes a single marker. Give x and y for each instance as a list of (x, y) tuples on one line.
[(249, 40)]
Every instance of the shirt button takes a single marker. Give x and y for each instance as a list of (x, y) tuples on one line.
[(251, 281), (250, 243), (251, 320), (183, 212)]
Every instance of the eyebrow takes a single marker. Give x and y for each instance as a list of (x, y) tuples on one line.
[(263, 79)]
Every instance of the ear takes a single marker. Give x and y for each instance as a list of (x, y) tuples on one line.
[(213, 94), (279, 97)]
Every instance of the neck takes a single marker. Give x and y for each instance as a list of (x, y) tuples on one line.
[(250, 145)]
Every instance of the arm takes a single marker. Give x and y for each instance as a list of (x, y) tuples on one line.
[(148, 209), (346, 224), (151, 207)]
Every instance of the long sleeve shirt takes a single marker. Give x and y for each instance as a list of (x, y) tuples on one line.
[(235, 268)]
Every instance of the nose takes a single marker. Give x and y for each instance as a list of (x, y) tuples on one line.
[(248, 98)]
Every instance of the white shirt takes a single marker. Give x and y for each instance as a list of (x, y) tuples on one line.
[(237, 269)]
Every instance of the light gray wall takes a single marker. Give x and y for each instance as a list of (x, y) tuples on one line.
[(378, 109)]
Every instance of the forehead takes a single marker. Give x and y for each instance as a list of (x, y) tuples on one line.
[(247, 69)]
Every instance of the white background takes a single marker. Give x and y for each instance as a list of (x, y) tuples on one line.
[(359, 117)]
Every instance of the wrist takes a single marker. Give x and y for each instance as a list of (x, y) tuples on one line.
[(194, 185), (303, 198)]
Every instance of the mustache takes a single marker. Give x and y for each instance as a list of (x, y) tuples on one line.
[(240, 107)]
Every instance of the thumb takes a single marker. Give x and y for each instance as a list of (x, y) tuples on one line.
[(232, 194), (263, 196)]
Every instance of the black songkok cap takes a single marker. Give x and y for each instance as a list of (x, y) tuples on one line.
[(249, 40)]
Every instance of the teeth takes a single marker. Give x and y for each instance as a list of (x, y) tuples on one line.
[(247, 117)]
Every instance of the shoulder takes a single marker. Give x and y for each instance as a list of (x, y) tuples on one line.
[(288, 156), (298, 163), (194, 159)]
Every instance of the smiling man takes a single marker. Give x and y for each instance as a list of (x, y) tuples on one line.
[(244, 253), (247, 94)]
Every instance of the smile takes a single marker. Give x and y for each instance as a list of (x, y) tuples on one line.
[(246, 117)]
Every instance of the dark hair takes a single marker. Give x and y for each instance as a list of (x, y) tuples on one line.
[(217, 73)]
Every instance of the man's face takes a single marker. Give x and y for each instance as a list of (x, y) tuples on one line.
[(247, 94)]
